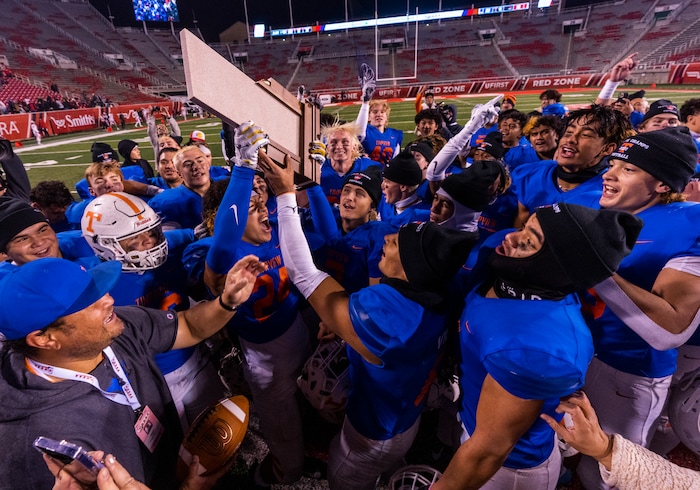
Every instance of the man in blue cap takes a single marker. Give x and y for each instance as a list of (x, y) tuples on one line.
[(74, 367)]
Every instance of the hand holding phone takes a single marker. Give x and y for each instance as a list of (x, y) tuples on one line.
[(77, 462)]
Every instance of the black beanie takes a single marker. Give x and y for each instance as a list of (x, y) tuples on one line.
[(431, 254), (424, 148), (433, 114), (668, 154), (404, 169), (370, 180), (15, 216), (102, 153), (471, 187), (493, 145), (125, 147), (661, 106), (589, 244)]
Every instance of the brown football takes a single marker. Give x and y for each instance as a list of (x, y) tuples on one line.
[(216, 434)]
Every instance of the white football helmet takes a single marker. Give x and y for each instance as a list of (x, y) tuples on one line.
[(684, 410), (414, 477), (325, 379), (114, 217)]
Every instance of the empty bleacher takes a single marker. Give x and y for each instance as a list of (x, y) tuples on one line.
[(117, 61)]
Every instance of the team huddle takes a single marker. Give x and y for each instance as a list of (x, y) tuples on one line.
[(531, 256)]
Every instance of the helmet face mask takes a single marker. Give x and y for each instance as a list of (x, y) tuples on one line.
[(118, 226), (149, 258), (325, 380), (414, 477), (684, 410)]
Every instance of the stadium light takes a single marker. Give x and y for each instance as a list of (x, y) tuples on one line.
[(399, 19)]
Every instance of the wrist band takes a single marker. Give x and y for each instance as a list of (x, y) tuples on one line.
[(608, 90), (225, 306)]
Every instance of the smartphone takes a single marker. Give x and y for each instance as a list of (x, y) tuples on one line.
[(77, 461)]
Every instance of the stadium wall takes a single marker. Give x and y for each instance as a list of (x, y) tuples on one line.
[(463, 88), (16, 127)]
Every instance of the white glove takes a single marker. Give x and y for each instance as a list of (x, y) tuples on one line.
[(317, 151), (480, 115), (248, 139), (483, 114), (368, 82)]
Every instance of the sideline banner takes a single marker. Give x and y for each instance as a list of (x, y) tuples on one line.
[(15, 127), (70, 121), (684, 73), (566, 81), (483, 86)]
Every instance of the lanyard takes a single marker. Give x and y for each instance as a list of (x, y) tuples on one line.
[(127, 397)]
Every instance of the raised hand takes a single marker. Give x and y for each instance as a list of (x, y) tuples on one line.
[(483, 114), (317, 151), (368, 82), (240, 280), (621, 71), (248, 138)]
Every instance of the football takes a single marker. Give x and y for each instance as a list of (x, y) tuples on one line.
[(216, 434)]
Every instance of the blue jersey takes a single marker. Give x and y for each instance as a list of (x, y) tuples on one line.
[(535, 185), (424, 193), (73, 245), (426, 196), (6, 267), (64, 225), (163, 288), (159, 182), (498, 215), (332, 183), (74, 213), (272, 306), (379, 146), (536, 350), (132, 172), (353, 258), (519, 155), (670, 231), (179, 205), (386, 400), (218, 173), (478, 137), (415, 213)]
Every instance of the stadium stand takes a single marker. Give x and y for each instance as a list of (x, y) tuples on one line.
[(77, 48)]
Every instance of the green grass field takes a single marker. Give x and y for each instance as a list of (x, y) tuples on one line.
[(65, 157)]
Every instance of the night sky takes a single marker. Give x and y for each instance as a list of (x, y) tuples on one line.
[(215, 16)]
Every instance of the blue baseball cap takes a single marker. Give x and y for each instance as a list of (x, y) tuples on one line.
[(40, 292)]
